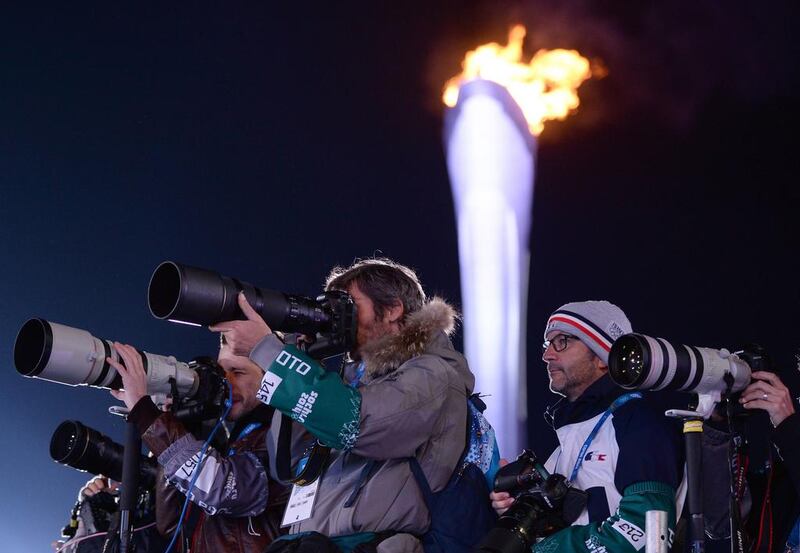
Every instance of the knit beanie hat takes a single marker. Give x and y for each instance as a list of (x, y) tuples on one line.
[(595, 323)]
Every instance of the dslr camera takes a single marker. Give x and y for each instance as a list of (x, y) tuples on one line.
[(544, 504)]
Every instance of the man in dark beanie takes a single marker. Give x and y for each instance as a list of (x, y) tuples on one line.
[(614, 445)]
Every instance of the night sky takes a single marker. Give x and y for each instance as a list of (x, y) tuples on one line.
[(271, 143)]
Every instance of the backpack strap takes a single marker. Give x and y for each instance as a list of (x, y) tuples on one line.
[(422, 482), (476, 400), (416, 469), (367, 472), (481, 406)]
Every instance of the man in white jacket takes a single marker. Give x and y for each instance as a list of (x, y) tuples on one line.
[(614, 445)]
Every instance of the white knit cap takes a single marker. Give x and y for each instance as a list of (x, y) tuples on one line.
[(595, 323)]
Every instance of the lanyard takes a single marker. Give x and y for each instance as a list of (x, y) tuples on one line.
[(621, 400), (247, 429), (356, 382)]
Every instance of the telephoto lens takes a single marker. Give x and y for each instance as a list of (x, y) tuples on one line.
[(83, 448), (639, 362), (59, 353), (185, 294)]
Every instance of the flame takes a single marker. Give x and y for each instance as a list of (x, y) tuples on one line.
[(545, 88)]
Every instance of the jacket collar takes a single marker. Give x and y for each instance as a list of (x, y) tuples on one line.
[(594, 400), (386, 354)]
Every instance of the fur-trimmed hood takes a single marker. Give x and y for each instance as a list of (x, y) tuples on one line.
[(386, 354), (413, 404)]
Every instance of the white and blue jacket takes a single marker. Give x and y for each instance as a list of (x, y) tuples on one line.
[(633, 464)]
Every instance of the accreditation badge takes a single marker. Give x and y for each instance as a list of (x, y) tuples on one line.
[(301, 503)]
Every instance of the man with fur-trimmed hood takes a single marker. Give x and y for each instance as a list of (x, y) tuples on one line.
[(403, 394)]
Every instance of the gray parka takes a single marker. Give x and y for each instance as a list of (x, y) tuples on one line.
[(413, 403)]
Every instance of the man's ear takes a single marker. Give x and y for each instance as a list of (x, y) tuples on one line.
[(394, 314)]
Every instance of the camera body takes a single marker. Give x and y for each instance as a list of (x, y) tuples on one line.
[(208, 400), (544, 504)]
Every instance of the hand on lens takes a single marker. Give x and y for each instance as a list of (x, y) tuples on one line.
[(240, 337), (767, 392), (98, 484), (134, 379), (501, 501)]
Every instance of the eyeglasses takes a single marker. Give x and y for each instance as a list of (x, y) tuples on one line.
[(559, 343)]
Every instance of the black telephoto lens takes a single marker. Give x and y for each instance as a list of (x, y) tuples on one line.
[(83, 448), (192, 295)]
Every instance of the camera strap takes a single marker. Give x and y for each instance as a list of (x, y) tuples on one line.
[(621, 400), (314, 463)]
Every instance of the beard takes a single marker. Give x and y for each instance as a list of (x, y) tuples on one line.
[(560, 382), (369, 333), (574, 379)]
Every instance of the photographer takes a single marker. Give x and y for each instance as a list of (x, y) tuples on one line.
[(241, 505), (617, 447), (402, 400), (768, 393), (95, 520), (85, 532)]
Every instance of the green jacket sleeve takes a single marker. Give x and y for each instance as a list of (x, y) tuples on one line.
[(623, 532), (299, 387)]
